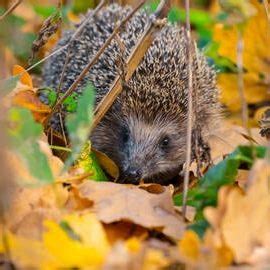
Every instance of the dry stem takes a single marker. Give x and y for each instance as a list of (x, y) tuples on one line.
[(132, 62), (190, 109), (92, 62), (11, 8), (74, 36), (241, 87)]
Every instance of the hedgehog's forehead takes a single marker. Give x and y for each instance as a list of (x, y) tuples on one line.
[(154, 105), (151, 130)]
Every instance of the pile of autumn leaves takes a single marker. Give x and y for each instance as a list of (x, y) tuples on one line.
[(76, 222)]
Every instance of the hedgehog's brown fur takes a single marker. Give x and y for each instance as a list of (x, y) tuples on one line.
[(144, 132)]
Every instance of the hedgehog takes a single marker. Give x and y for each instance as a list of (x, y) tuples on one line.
[(144, 131)]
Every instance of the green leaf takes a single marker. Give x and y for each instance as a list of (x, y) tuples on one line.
[(98, 173), (81, 6), (198, 17), (23, 135), (224, 173), (12, 20), (79, 123), (222, 63), (52, 96), (7, 85), (71, 103), (89, 163), (44, 11)]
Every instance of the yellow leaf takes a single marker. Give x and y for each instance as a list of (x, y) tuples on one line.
[(90, 230), (27, 253), (91, 248), (25, 77), (133, 244), (189, 245), (154, 260), (256, 59)]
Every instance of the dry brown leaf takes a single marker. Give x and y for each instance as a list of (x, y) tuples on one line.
[(116, 202), (242, 220), (29, 207), (124, 230), (107, 164), (225, 139)]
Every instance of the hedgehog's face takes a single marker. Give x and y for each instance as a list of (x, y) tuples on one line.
[(153, 151)]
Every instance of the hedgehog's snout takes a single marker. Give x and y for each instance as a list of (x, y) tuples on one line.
[(132, 175)]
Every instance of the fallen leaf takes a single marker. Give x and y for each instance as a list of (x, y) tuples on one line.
[(203, 254), (228, 136), (154, 259), (107, 164), (123, 230), (115, 202), (189, 245), (25, 77), (81, 243), (28, 99), (236, 209)]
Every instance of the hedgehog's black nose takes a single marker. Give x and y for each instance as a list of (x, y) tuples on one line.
[(134, 173), (131, 175)]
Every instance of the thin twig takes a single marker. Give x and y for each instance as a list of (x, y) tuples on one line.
[(92, 62), (132, 62), (11, 8), (62, 128), (45, 58), (190, 108), (74, 36), (240, 78)]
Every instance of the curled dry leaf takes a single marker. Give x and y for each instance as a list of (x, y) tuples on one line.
[(114, 202), (237, 209)]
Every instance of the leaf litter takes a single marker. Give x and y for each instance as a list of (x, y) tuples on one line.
[(107, 225)]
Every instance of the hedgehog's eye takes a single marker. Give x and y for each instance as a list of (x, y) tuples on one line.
[(164, 143), (125, 135)]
